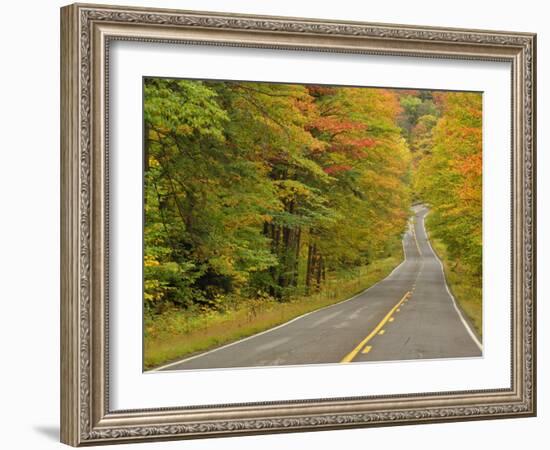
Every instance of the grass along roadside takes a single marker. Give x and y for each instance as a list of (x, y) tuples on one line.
[(466, 288), (176, 334)]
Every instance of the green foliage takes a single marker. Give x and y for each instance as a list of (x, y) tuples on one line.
[(415, 105), (258, 189)]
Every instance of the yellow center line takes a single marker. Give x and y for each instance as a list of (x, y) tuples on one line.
[(349, 357), (415, 240), (367, 349)]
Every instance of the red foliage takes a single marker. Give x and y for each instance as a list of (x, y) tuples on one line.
[(335, 125), (471, 165), (361, 143)]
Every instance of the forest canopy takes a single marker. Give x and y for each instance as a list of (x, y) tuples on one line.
[(263, 190)]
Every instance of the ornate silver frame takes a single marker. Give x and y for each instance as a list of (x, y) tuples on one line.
[(86, 31)]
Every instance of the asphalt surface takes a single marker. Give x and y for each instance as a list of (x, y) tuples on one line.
[(408, 315)]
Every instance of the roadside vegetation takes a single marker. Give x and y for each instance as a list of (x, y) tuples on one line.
[(465, 287), (178, 333)]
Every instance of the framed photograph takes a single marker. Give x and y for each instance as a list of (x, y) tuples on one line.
[(276, 224)]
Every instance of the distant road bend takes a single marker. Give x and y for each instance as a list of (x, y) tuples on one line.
[(411, 314)]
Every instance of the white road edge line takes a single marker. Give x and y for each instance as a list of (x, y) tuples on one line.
[(158, 369), (460, 315)]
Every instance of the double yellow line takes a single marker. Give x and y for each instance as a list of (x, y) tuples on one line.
[(349, 357), (416, 240)]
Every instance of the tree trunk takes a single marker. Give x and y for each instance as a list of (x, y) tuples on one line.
[(297, 237), (309, 268), (319, 271)]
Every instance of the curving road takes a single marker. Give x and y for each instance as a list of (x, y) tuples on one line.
[(411, 314)]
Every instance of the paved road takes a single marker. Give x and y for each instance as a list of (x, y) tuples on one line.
[(408, 315)]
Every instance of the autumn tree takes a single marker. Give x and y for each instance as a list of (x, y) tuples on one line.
[(450, 178), (255, 189)]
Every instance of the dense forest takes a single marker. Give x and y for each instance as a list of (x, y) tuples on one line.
[(265, 191), (448, 175)]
